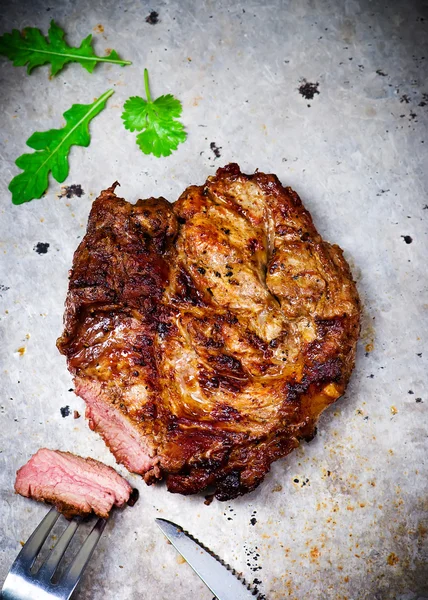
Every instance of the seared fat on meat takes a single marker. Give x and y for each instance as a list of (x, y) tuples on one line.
[(207, 336)]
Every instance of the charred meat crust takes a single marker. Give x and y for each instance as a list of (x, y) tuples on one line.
[(217, 329)]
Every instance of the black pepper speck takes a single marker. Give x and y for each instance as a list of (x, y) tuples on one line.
[(152, 18), (65, 411), (308, 90), (72, 190), (41, 247), (216, 150)]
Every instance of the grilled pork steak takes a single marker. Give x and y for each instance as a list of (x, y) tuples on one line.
[(75, 485), (207, 336)]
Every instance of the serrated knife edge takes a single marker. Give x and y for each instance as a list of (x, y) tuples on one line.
[(175, 533)]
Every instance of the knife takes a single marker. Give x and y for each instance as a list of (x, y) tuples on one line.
[(223, 581)]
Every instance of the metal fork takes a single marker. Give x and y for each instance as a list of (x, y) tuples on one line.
[(22, 584)]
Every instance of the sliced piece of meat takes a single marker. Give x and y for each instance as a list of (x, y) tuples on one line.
[(75, 485), (207, 336)]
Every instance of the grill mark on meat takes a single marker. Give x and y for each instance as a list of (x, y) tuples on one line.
[(225, 412), (186, 290), (207, 336), (227, 365)]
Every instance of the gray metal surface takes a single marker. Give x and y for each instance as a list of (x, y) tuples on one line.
[(345, 516)]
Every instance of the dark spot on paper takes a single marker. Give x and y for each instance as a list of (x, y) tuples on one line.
[(215, 149), (405, 98), (412, 116), (308, 90), (41, 247), (69, 191), (424, 100), (65, 411), (418, 400), (253, 521), (152, 18), (3, 288), (410, 392), (71, 390), (381, 73), (407, 238)]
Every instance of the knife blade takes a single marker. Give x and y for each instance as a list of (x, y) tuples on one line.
[(222, 580)]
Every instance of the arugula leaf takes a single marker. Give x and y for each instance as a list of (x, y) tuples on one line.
[(31, 48), (52, 148), (160, 133)]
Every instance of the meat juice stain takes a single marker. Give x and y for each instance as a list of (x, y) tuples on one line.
[(392, 559), (314, 554), (41, 247)]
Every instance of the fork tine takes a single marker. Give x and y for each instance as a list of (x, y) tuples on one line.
[(36, 540), (49, 567), (82, 558)]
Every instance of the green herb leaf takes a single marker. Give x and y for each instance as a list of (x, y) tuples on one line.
[(52, 148), (160, 133), (31, 48)]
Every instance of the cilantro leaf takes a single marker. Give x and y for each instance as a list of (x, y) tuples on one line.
[(160, 133), (52, 148), (31, 48)]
